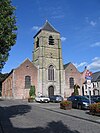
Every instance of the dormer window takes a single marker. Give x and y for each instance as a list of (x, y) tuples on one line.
[(51, 40), (37, 42)]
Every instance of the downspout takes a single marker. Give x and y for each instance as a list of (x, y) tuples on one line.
[(42, 65), (59, 66)]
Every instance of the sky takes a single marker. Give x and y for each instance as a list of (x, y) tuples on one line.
[(78, 22)]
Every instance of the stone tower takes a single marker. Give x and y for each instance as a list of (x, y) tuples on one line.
[(47, 57)]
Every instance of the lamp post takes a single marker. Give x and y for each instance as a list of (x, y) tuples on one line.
[(88, 77), (89, 87)]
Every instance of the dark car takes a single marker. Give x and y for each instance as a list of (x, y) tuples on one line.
[(96, 98), (56, 98), (80, 102)]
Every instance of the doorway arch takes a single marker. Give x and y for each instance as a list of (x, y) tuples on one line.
[(51, 91)]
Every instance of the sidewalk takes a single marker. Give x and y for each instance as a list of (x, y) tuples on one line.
[(80, 114), (76, 113)]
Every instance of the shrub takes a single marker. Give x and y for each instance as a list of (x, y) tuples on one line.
[(76, 87), (31, 94), (32, 91), (95, 108), (66, 104)]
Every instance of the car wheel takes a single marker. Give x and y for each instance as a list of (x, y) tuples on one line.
[(79, 107), (40, 101)]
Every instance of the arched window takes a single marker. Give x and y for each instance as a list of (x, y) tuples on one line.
[(27, 81), (71, 82), (51, 73), (37, 43), (51, 40)]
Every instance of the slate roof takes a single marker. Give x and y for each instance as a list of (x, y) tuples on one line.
[(66, 65), (47, 27), (96, 76)]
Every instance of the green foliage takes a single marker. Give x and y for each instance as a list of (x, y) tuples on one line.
[(76, 87), (7, 30), (32, 91)]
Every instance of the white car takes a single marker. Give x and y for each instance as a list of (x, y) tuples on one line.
[(42, 99)]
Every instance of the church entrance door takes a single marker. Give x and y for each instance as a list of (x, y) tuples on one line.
[(51, 91)]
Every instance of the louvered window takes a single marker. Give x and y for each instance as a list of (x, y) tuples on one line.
[(37, 43), (51, 40)]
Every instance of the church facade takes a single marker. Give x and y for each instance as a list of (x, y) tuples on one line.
[(47, 57), (46, 71)]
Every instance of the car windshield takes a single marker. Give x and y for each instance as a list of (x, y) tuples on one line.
[(42, 96), (84, 98)]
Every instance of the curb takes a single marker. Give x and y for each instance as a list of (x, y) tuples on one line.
[(78, 117)]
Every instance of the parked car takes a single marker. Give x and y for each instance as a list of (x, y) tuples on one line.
[(42, 99), (80, 102), (56, 98), (96, 98)]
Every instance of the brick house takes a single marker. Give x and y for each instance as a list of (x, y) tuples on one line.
[(72, 77), (18, 82)]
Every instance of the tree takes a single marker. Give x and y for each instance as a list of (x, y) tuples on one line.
[(76, 87), (32, 91), (7, 30)]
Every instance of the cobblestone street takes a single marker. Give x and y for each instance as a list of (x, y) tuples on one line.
[(22, 117)]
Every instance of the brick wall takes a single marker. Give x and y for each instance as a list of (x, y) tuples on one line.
[(17, 83)]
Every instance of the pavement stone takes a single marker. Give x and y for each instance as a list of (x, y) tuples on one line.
[(54, 107), (80, 114)]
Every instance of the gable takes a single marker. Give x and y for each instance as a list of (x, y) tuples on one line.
[(26, 65), (69, 68)]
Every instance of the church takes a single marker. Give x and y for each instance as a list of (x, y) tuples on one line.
[(46, 71)]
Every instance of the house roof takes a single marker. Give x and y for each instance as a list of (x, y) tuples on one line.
[(66, 65), (47, 27), (26, 60), (96, 76)]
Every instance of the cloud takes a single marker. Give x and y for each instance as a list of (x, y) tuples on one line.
[(95, 65), (58, 16), (80, 65), (97, 44), (63, 38), (93, 23), (51, 11), (36, 28)]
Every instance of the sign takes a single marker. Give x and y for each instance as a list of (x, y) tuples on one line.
[(88, 75), (89, 82), (88, 78)]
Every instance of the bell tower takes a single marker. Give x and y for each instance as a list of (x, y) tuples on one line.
[(47, 57)]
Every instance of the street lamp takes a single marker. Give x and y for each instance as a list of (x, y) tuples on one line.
[(88, 77)]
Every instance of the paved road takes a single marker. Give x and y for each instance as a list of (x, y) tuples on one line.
[(21, 117)]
